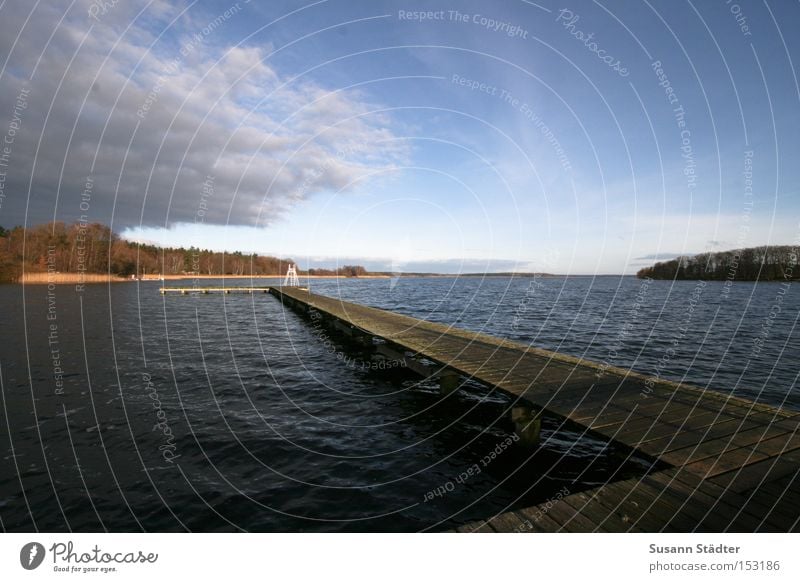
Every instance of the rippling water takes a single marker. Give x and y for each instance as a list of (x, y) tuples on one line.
[(217, 412)]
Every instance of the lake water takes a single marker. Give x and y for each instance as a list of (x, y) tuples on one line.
[(226, 412)]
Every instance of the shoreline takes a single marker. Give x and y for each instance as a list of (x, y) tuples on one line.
[(67, 278), (44, 278), (252, 277)]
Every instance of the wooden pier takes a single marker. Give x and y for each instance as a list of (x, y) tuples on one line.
[(724, 463), (207, 290)]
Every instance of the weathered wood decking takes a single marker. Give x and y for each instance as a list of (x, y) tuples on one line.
[(732, 464), (207, 290)]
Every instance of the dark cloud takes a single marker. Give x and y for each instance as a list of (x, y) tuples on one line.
[(150, 119)]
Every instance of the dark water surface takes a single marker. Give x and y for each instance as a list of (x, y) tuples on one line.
[(226, 412)]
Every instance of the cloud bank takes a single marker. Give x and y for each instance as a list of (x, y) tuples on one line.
[(146, 114)]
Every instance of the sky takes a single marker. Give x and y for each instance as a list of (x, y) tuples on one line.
[(579, 138)]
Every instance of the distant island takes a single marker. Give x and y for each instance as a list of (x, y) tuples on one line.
[(91, 252), (765, 263)]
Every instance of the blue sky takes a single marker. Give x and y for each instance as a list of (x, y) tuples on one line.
[(352, 132)]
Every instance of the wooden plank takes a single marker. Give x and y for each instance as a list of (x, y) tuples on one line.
[(673, 509), (777, 445), (634, 423), (717, 400), (607, 406), (506, 522), (682, 415), (638, 508), (779, 515), (683, 418), (643, 507), (569, 408), (662, 411), (741, 444), (704, 449), (592, 508), (564, 391), (594, 512), (606, 413), (790, 424), (730, 460), (788, 484), (207, 290), (691, 510), (756, 435), (774, 494), (539, 520), (701, 400), (746, 439), (540, 370), (483, 527), (637, 433), (747, 513), (687, 438), (714, 418), (679, 440), (721, 511), (570, 519), (754, 474), (660, 446), (632, 506)]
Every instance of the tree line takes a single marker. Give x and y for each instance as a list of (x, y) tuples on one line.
[(346, 271), (95, 248), (765, 263)]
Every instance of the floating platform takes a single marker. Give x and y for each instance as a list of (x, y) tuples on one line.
[(722, 463), (207, 290)]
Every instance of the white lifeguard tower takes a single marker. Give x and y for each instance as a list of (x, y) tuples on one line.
[(291, 280)]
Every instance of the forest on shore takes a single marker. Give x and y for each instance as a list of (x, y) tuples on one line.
[(93, 248), (765, 263)]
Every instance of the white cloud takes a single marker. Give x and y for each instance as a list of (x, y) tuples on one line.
[(158, 121)]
